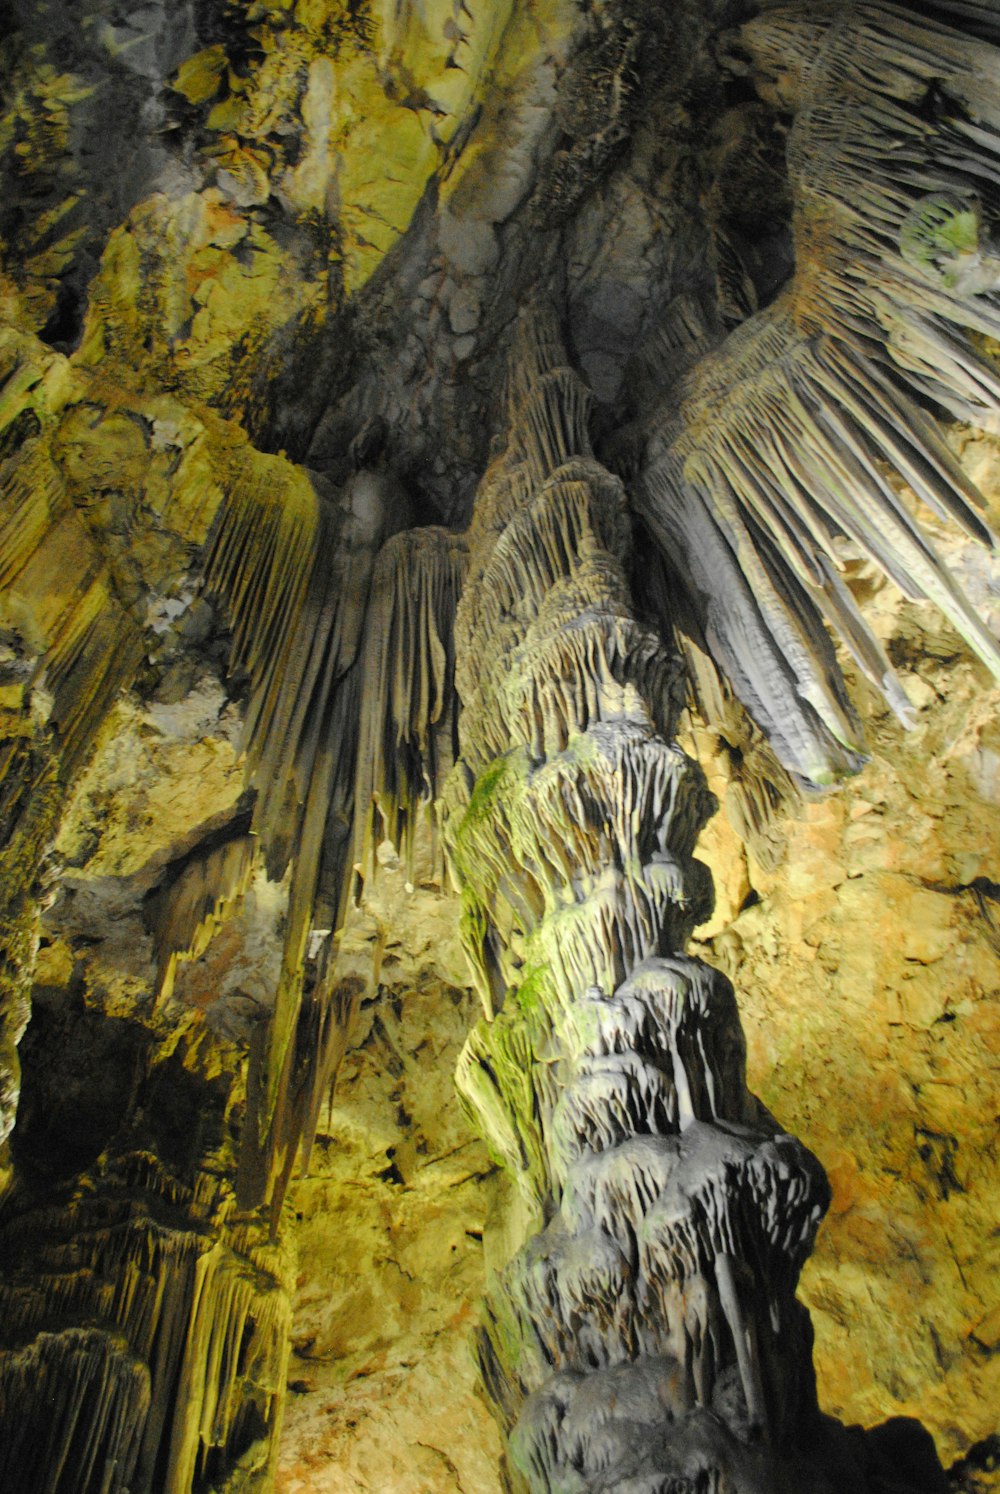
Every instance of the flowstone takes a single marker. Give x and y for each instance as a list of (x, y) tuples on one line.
[(645, 1336)]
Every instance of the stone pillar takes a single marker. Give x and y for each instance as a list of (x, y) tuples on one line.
[(645, 1336)]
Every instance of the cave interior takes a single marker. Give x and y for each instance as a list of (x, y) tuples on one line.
[(499, 747)]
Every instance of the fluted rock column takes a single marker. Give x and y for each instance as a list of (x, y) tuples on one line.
[(647, 1336)]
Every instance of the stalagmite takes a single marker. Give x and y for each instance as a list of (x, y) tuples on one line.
[(646, 1336)]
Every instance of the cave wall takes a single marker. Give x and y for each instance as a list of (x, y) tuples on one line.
[(296, 232), (877, 1042)]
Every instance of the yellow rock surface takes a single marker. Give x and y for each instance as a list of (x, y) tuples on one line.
[(868, 977)]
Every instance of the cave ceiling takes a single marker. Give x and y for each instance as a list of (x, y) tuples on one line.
[(450, 450)]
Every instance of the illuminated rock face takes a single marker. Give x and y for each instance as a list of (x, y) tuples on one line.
[(260, 268), (647, 1335), (176, 1374)]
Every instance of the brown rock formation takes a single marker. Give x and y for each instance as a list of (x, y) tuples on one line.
[(260, 266)]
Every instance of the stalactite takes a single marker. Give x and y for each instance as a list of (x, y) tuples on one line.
[(90, 1397), (336, 768), (86, 644), (764, 451), (978, 16), (160, 1324), (292, 565), (758, 787), (69, 646), (408, 716), (194, 905), (267, 561), (646, 1335), (382, 756)]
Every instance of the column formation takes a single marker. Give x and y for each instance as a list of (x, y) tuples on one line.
[(646, 1335)]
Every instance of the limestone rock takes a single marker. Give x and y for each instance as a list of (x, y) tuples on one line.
[(262, 270)]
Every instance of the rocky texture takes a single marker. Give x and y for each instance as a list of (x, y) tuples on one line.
[(646, 1332), (261, 265), (880, 1051), (383, 1380)]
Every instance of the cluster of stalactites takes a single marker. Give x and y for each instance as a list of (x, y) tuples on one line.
[(409, 726), (762, 457), (271, 557), (344, 627), (175, 1373), (894, 160), (650, 1326), (291, 564), (757, 783)]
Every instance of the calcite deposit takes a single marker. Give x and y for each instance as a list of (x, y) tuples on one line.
[(472, 476)]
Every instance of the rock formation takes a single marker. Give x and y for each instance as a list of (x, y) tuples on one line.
[(280, 282), (647, 1335)]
